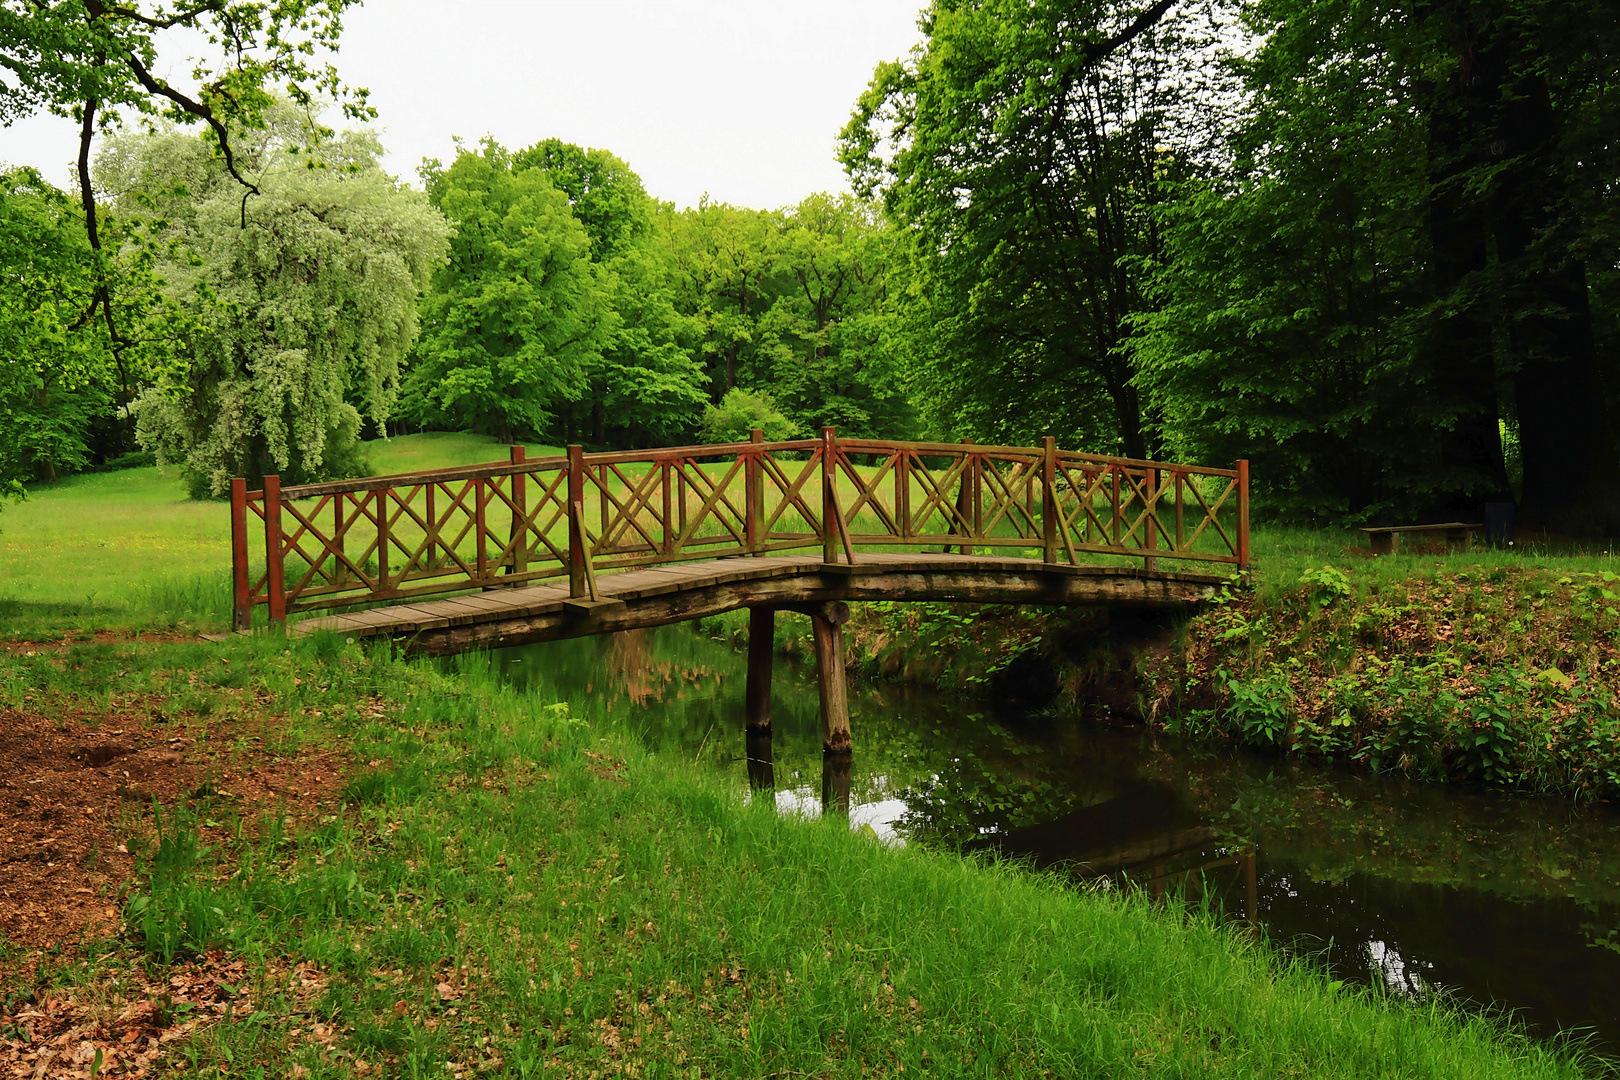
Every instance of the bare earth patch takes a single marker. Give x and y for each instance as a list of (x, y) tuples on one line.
[(77, 786)]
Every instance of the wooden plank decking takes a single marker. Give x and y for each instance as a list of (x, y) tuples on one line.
[(674, 592)]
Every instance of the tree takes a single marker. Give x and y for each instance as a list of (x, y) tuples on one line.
[(646, 388), (94, 61), (1288, 301), (830, 320), (1021, 149), (304, 314), (519, 314), (48, 373)]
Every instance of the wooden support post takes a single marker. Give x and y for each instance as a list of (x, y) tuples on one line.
[(241, 587), (275, 568), (1243, 516), (829, 500), (761, 764), (1181, 522), (827, 624), (1049, 504), (836, 770), (753, 491), (761, 640), (1150, 538), (576, 539), (519, 535)]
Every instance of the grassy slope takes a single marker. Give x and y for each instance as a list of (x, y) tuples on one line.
[(129, 549), (515, 890)]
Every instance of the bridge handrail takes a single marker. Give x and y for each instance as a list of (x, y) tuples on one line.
[(520, 521)]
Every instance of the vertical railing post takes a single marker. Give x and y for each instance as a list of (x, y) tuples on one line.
[(576, 501), (1118, 514), (433, 543), (1049, 505), (275, 570), (241, 601), (1151, 537), (1181, 525), (382, 539), (1243, 516), (669, 524), (902, 492), (829, 501), (519, 537), (339, 570), (753, 490), (964, 498)]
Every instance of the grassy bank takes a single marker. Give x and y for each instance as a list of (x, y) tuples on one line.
[(1499, 667), (128, 550), (507, 890)]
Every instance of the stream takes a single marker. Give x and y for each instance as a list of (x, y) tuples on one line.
[(1505, 901)]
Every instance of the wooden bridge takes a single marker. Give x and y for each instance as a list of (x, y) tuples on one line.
[(521, 551)]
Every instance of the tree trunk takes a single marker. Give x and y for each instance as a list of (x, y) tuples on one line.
[(1571, 473), (1461, 352)]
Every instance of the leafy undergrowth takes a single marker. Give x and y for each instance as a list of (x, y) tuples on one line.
[(508, 891), (1504, 675)]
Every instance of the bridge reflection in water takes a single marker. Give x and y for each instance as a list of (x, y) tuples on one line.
[(522, 551)]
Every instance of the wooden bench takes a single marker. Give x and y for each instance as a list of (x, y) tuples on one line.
[(1386, 540)]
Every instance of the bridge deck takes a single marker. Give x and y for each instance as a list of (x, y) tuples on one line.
[(674, 592)]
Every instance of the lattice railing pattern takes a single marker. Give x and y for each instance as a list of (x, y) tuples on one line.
[(521, 521)]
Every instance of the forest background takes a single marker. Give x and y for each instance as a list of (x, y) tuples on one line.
[(1373, 247)]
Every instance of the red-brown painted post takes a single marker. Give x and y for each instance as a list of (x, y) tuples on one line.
[(382, 539), (1151, 538), (902, 492), (1049, 503), (519, 538), (275, 569), (753, 491), (339, 569), (1117, 515), (1243, 516), (576, 541), (242, 609), (669, 525), (829, 500), (964, 498), (433, 542)]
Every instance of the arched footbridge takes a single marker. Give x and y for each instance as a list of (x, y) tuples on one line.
[(524, 550)]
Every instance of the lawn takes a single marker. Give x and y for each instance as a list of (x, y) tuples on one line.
[(128, 550)]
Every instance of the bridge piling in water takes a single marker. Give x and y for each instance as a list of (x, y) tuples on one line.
[(761, 639), (827, 627)]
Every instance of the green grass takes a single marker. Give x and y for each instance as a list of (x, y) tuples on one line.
[(128, 550), (1282, 552), (516, 889)]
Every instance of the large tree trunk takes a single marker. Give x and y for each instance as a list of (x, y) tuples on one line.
[(1571, 473), (1461, 352)]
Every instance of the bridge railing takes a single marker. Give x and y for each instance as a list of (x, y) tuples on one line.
[(572, 516)]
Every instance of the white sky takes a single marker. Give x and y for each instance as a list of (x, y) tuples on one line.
[(742, 99)]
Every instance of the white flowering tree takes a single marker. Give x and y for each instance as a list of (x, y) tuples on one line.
[(305, 312)]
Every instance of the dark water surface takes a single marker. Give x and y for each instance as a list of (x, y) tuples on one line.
[(1507, 901)]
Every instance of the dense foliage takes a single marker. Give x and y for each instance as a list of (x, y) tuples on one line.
[(1372, 248)]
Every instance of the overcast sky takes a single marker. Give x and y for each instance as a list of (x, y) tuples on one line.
[(742, 99)]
